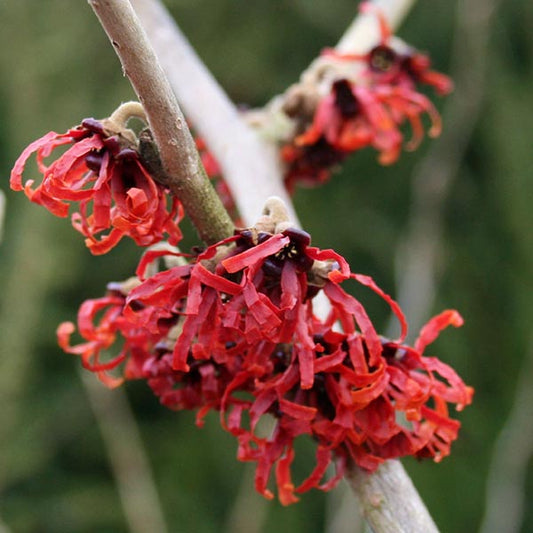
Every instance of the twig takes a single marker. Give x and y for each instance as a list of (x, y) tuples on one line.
[(128, 461), (505, 500), (180, 159)]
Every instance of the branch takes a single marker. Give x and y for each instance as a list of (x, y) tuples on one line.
[(180, 159), (140, 501), (252, 171), (506, 485), (364, 33)]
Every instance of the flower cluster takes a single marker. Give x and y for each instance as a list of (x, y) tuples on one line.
[(367, 102), (236, 329), (101, 171)]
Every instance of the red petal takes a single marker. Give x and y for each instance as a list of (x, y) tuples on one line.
[(219, 283), (255, 254), (348, 303), (18, 169), (283, 478), (370, 283), (432, 329), (296, 410), (323, 459)]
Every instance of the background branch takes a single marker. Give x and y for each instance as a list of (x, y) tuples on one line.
[(131, 470), (506, 502), (342, 512), (2, 213), (418, 255), (364, 33)]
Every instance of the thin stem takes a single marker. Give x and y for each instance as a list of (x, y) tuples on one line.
[(126, 111), (180, 159)]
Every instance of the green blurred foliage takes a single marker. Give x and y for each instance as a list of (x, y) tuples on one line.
[(56, 67)]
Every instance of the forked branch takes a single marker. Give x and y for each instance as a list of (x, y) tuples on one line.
[(388, 498)]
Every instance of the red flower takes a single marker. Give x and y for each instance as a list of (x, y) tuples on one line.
[(352, 117), (367, 110), (236, 330), (100, 334), (395, 64), (248, 327), (309, 164), (102, 172)]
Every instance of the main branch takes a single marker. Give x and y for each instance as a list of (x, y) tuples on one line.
[(389, 500), (186, 176)]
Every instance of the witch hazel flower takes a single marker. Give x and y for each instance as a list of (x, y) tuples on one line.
[(102, 174), (358, 101), (102, 325), (236, 329), (393, 62)]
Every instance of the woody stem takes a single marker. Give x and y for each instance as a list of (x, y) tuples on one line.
[(186, 176)]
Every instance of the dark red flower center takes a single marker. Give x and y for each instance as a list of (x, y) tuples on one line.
[(94, 160), (382, 58), (345, 101), (295, 250)]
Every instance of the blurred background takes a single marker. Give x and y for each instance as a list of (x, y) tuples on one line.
[(447, 226)]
